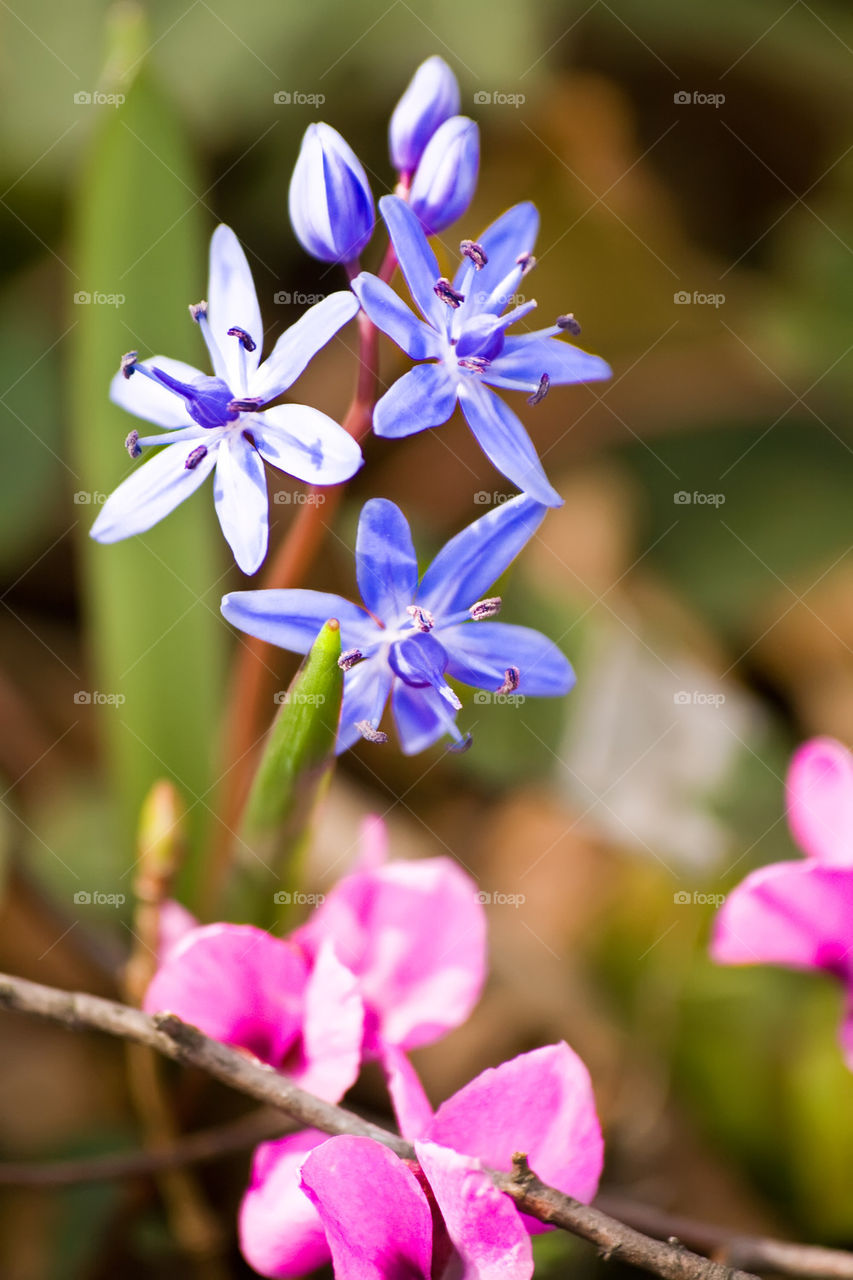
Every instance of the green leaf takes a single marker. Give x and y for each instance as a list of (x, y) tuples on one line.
[(156, 638), (295, 768)]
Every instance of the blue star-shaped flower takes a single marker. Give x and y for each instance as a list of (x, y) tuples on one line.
[(463, 335), (222, 422), (408, 637)]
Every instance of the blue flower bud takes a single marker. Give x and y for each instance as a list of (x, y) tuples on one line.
[(330, 202), (431, 98), (446, 177)]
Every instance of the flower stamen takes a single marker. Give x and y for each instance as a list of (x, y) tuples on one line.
[(512, 679), (444, 290), (198, 455), (422, 618), (471, 249), (370, 732), (483, 609), (569, 324), (541, 391)]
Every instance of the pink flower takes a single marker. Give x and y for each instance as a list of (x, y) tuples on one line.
[(377, 1210), (800, 914)]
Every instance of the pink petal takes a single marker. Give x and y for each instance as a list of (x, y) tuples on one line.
[(791, 913), (237, 984), (377, 1219), (482, 1222), (415, 936), (175, 922), (820, 801), (846, 1034), (411, 1105), (540, 1103), (372, 843), (332, 1031), (280, 1230)]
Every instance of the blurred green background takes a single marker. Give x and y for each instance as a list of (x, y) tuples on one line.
[(693, 165)]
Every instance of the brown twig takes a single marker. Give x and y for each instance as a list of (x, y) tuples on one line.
[(175, 1039)]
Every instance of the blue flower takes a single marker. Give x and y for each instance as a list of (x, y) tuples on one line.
[(221, 422), (330, 201), (408, 637), (432, 96), (463, 341)]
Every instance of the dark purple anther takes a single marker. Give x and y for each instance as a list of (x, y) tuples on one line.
[(129, 362), (512, 679), (471, 249), (198, 311), (370, 732), (422, 618), (349, 658), (476, 364), (134, 448), (458, 748), (526, 261), (486, 608), (197, 456), (541, 391), (249, 404), (444, 290), (248, 342), (570, 324)]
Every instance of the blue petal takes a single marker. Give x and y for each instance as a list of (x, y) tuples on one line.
[(151, 492), (300, 343), (527, 357), (233, 303), (385, 561), (470, 563), (330, 201), (305, 443), (418, 263), (293, 619), (424, 397), (390, 314), (421, 716), (366, 690), (509, 236), (151, 400), (421, 661), (431, 97), (240, 494), (481, 652), (505, 443)]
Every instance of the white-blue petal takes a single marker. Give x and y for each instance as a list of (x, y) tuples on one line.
[(421, 716), (505, 443), (240, 494), (480, 653), (424, 397), (418, 263), (298, 345), (526, 357), (366, 690), (390, 314), (150, 492), (467, 566), (233, 303), (293, 619), (305, 443), (151, 400)]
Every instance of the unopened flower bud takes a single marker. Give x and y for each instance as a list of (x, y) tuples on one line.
[(431, 98), (446, 178), (331, 205)]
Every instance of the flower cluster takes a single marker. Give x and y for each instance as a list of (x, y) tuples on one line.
[(800, 914), (392, 960)]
